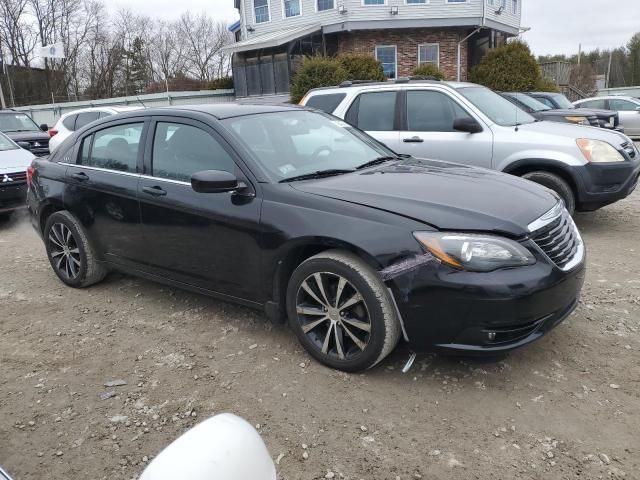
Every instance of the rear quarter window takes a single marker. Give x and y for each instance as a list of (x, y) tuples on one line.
[(326, 102), (70, 122)]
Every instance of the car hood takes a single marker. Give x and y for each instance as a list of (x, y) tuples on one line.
[(596, 111), (566, 112), (574, 131), (445, 195), (16, 160)]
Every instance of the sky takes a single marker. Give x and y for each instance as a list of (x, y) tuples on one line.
[(557, 26)]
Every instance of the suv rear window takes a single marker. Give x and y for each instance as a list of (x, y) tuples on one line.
[(70, 122), (85, 118), (374, 112), (327, 102)]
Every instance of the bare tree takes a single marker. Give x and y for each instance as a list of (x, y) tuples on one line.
[(17, 33)]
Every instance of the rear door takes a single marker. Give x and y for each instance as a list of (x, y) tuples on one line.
[(378, 114), (208, 240), (428, 130), (102, 188), (629, 115)]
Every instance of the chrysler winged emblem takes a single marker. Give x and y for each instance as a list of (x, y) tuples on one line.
[(7, 179)]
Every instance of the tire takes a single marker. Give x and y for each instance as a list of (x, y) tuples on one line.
[(557, 184), (76, 265), (357, 335)]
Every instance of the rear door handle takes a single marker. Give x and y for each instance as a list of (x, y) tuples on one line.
[(413, 140), (80, 176), (155, 191)]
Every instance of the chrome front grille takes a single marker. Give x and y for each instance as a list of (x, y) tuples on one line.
[(558, 237)]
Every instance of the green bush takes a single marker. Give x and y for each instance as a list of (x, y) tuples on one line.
[(316, 72), (429, 70), (546, 86), (362, 67), (221, 83), (510, 67)]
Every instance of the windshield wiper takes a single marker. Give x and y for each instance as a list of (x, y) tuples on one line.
[(318, 174), (17, 131), (377, 161)]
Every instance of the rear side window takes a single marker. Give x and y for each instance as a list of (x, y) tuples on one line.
[(593, 104), (327, 103), (70, 122), (181, 150), (622, 105), (85, 118), (114, 148), (374, 112), (432, 111)]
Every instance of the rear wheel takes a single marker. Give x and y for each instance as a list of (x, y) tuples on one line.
[(70, 254), (557, 184), (341, 311)]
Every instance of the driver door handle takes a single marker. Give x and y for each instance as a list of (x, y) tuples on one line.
[(80, 176), (155, 191), (413, 140)]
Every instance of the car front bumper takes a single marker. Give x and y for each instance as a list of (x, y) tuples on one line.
[(603, 184), (484, 313), (12, 197)]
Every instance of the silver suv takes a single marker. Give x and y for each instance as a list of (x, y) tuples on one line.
[(587, 167)]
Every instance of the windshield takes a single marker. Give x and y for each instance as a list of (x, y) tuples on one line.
[(293, 143), (562, 101), (497, 108), (6, 143), (17, 122), (530, 102)]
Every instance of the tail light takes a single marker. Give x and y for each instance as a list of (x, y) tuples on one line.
[(30, 171), (52, 132)]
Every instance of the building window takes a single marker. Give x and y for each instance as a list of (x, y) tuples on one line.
[(261, 9), (387, 56), (514, 6), (456, 1), (291, 8), (326, 5), (417, 2), (374, 2), (429, 53)]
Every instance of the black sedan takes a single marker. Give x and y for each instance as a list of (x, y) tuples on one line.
[(298, 213), (541, 111)]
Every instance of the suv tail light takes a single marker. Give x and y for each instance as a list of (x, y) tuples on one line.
[(52, 132), (30, 171)]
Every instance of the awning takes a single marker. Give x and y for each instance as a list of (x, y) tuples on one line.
[(273, 39)]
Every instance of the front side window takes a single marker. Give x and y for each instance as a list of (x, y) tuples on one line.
[(429, 53), (292, 143), (326, 5), (291, 8), (376, 111), (594, 104), (386, 55), (114, 148), (181, 150), (430, 111), (17, 122), (498, 109), (623, 105), (261, 9)]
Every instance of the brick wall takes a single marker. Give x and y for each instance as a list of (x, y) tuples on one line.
[(407, 41)]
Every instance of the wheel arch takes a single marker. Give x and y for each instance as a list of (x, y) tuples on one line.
[(46, 211), (522, 167)]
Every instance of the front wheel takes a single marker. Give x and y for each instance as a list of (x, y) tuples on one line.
[(342, 312), (557, 184)]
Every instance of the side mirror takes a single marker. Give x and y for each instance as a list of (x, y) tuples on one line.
[(214, 181), (225, 447), (466, 124), (44, 127)]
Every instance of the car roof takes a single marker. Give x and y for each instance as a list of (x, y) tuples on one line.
[(400, 82), (117, 109), (220, 110)]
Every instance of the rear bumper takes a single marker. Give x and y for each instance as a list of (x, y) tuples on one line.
[(12, 197), (604, 184)]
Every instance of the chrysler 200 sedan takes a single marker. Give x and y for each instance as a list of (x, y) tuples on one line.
[(297, 213)]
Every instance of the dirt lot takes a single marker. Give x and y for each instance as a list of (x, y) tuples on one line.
[(565, 407)]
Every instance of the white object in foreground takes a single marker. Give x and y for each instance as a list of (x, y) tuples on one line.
[(224, 447)]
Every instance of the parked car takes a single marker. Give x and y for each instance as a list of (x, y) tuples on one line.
[(540, 111), (300, 214), (627, 107), (466, 123), (72, 121), (608, 118), (21, 128), (14, 162)]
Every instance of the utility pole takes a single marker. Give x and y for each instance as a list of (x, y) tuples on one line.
[(609, 69), (579, 53)]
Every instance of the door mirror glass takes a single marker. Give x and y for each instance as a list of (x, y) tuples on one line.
[(44, 127), (214, 181), (466, 124)]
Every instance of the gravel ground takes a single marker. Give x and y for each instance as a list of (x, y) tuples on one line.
[(565, 407)]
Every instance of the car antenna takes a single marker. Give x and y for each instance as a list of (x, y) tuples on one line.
[(517, 124), (141, 102)]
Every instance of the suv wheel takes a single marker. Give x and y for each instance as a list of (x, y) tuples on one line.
[(341, 311), (70, 253), (557, 184)]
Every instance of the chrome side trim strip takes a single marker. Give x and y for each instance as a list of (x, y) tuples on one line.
[(98, 169)]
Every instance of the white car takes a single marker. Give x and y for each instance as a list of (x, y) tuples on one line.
[(72, 121), (14, 162), (627, 107)]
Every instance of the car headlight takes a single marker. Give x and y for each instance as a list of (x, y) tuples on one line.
[(475, 253), (597, 151), (578, 120)]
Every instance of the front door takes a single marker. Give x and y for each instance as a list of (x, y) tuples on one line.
[(102, 188), (429, 131), (208, 240)]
